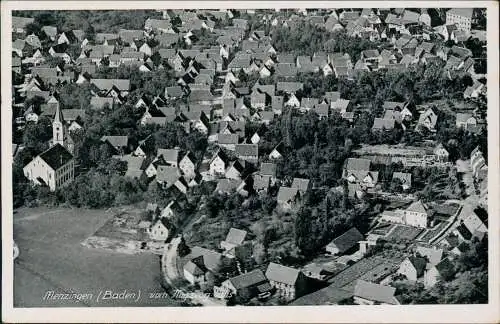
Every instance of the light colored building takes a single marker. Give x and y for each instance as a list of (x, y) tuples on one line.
[(54, 167), (159, 231), (417, 215), (461, 17), (289, 282)]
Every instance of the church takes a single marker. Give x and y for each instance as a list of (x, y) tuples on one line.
[(54, 167)]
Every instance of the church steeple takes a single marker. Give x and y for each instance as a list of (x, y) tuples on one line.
[(58, 127)]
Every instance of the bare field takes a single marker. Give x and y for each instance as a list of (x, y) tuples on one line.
[(52, 258)]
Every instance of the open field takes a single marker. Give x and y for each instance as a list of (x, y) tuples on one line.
[(53, 259), (403, 232), (392, 150)]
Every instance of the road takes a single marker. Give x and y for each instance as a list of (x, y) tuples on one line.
[(170, 270)]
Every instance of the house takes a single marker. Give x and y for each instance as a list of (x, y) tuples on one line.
[(478, 164), (187, 164), (99, 103), (159, 231), (340, 105), (441, 153), (288, 197), (356, 164), (234, 170), (227, 141), (289, 87), (218, 163), (247, 152), (261, 183), (173, 208), (169, 176), (245, 286), (67, 37), (384, 124), (442, 271), (288, 282), (234, 238), (292, 101), (258, 100), (417, 215), (255, 139), (433, 255), (462, 232), (113, 87), (228, 186), (404, 178), (303, 185), (461, 17), (277, 104), (170, 156), (474, 90), (344, 242), (277, 152), (201, 262), (476, 221), (465, 120), (119, 143), (428, 120), (368, 293), (412, 267), (55, 167)]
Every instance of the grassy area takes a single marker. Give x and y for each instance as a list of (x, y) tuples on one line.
[(53, 258), (123, 226), (403, 232), (430, 234), (383, 229)]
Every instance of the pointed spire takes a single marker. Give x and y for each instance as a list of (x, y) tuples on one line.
[(58, 117)]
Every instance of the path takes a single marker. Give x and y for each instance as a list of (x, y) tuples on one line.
[(170, 270)]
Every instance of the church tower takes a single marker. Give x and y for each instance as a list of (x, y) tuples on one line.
[(58, 128)]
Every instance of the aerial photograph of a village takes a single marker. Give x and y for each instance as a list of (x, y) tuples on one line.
[(253, 157)]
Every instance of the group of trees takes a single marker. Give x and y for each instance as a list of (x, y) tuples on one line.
[(467, 284), (95, 21)]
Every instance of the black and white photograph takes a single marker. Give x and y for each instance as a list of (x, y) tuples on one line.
[(232, 157)]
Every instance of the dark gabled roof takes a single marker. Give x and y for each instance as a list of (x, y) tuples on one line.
[(286, 194), (418, 263), (56, 156), (300, 183), (358, 164), (247, 150), (464, 231), (347, 240), (375, 292), (236, 236), (268, 169), (60, 48), (283, 274), (382, 123), (249, 279)]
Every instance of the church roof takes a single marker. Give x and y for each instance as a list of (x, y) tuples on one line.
[(56, 156)]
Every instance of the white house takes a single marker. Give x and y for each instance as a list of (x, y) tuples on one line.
[(159, 231)]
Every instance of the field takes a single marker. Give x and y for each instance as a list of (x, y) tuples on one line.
[(392, 150), (382, 229), (430, 234), (52, 258), (403, 232)]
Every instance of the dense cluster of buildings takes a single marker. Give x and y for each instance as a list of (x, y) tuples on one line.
[(214, 102)]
